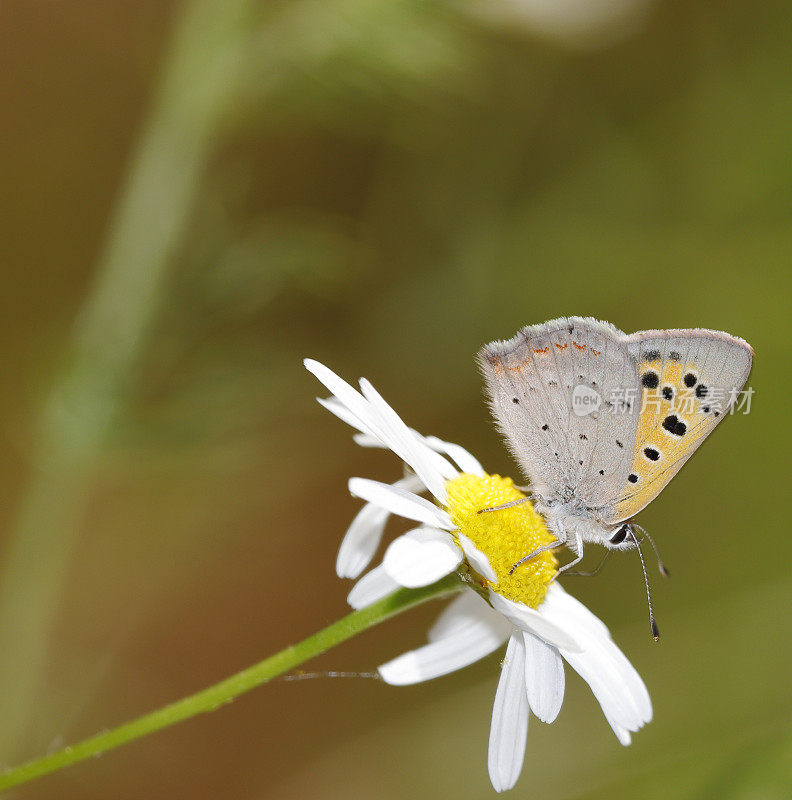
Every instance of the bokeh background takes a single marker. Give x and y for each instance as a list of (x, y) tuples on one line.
[(199, 194)]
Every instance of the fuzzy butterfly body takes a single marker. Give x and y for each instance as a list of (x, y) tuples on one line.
[(601, 421)]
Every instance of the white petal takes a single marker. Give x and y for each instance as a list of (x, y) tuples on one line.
[(509, 727), (559, 602), (435, 454), (371, 587), (364, 534), (361, 541), (544, 678), (463, 646), (622, 734), (536, 622), (612, 678), (409, 445), (367, 440), (477, 559), (335, 406), (469, 605), (464, 460), (355, 403), (371, 415), (586, 621), (401, 502), (410, 483), (421, 557)]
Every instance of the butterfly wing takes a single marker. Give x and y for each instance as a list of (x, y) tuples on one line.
[(531, 380), (689, 380)]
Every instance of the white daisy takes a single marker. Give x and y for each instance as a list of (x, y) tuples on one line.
[(540, 621)]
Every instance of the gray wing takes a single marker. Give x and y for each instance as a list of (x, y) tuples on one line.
[(532, 380)]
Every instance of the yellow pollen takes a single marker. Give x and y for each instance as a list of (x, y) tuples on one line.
[(504, 536)]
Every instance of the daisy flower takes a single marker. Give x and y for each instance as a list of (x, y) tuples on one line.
[(540, 623)]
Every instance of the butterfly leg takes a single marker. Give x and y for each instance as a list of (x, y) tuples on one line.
[(505, 505), (577, 548), (592, 572), (539, 550), (560, 540)]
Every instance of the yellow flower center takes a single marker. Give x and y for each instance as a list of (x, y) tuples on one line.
[(504, 536)]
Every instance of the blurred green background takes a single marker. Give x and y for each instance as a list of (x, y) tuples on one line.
[(198, 195)]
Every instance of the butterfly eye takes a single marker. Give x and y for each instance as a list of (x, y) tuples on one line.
[(620, 535)]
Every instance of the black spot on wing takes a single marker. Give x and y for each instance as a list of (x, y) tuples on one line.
[(674, 425), (650, 379)]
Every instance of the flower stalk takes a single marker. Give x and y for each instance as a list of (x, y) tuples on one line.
[(217, 695)]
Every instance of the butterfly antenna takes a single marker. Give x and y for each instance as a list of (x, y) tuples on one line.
[(660, 563), (652, 622)]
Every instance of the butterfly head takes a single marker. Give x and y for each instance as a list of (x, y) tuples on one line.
[(569, 522)]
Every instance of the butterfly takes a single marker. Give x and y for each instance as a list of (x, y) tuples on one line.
[(601, 421)]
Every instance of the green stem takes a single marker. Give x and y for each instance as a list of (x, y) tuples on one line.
[(224, 692)]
